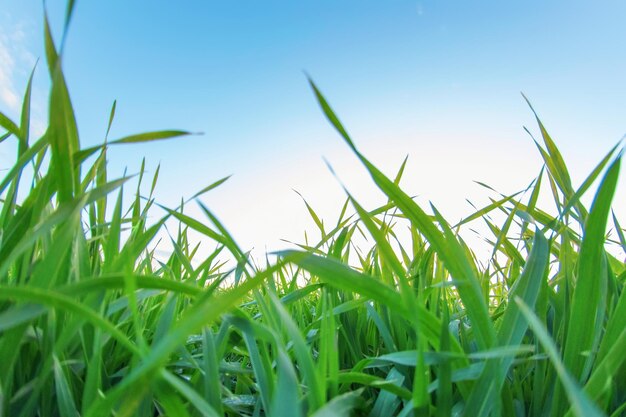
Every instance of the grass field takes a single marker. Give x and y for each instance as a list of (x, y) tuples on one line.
[(363, 322)]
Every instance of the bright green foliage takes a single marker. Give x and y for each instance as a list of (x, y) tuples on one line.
[(390, 313)]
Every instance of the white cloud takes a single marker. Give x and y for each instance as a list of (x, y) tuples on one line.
[(15, 63), (18, 42), (420, 9), (8, 94)]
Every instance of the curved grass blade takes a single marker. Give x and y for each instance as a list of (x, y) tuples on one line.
[(445, 244), (374, 382), (512, 328), (340, 406), (9, 125), (52, 299), (581, 404), (205, 310), (587, 308), (63, 132), (151, 136), (286, 401)]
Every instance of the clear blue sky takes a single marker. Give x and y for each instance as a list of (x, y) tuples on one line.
[(437, 80)]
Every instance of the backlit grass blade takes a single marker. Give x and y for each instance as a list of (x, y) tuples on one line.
[(212, 385), (210, 187), (228, 240), (205, 230), (485, 210), (203, 312), (554, 161), (111, 117), (112, 247), (150, 136), (116, 281), (587, 308), (532, 201), (328, 359), (190, 394), (512, 327), (444, 370), (25, 116), (20, 314), (620, 232), (340, 276), (9, 125), (302, 354), (609, 366), (69, 12), (446, 244), (82, 154), (340, 406), (581, 405), (286, 401), (22, 161), (93, 380), (383, 245), (387, 402), (66, 404), (63, 133), (314, 216), (261, 365), (54, 300), (375, 382), (573, 201)]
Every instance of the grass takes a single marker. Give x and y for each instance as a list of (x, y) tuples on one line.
[(363, 322)]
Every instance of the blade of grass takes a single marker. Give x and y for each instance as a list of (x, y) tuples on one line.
[(581, 404)]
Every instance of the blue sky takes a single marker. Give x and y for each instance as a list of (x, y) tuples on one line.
[(437, 80)]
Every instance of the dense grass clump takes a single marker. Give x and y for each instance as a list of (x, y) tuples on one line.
[(93, 323)]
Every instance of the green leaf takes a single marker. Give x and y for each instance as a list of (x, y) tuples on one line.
[(303, 355), (63, 132), (151, 136), (9, 125), (67, 407), (25, 118), (205, 310), (18, 315), (587, 310), (445, 244), (190, 394), (53, 299), (341, 405), (286, 402), (580, 402), (512, 328)]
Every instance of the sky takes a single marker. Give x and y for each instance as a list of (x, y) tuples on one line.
[(439, 81)]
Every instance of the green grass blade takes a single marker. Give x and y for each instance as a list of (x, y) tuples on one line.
[(150, 136), (446, 245), (63, 133), (25, 117), (581, 404), (9, 125), (512, 328), (340, 406), (66, 404), (203, 312), (302, 352), (191, 395), (55, 300), (286, 401), (585, 320)]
